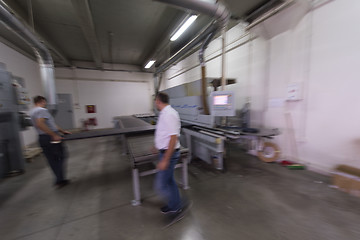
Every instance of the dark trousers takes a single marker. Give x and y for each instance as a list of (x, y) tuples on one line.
[(55, 155)]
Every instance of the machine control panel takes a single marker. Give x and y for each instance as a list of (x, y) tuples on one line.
[(21, 93), (222, 103), (5, 93), (23, 96)]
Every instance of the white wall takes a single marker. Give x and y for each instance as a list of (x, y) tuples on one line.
[(114, 93), (320, 53), (321, 130), (23, 67), (333, 117)]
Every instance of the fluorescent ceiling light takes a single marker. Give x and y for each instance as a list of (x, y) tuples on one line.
[(150, 63), (183, 27)]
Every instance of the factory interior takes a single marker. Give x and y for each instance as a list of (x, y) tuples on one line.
[(265, 92)]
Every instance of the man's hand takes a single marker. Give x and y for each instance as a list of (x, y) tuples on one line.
[(56, 137), (62, 131), (162, 165), (154, 150)]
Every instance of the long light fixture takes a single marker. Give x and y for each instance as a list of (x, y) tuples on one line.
[(183, 28), (150, 63)]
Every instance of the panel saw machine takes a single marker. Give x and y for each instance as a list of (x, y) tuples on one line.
[(205, 135)]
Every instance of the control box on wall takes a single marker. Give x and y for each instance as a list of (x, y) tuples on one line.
[(294, 92)]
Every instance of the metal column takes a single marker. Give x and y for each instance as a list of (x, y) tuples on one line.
[(136, 187)]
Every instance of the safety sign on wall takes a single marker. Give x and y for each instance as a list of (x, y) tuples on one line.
[(90, 108)]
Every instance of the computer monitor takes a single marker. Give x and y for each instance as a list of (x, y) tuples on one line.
[(222, 103), (221, 100)]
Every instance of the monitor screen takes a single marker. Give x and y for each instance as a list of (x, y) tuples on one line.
[(221, 100)]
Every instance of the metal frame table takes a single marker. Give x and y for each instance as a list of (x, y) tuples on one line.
[(139, 148)]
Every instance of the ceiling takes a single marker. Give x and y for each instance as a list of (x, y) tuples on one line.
[(113, 31)]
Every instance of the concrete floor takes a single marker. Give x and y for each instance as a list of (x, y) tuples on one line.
[(252, 200)]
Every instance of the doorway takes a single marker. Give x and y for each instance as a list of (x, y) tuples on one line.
[(65, 114)]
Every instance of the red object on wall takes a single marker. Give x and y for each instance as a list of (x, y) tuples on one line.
[(92, 121), (90, 108)]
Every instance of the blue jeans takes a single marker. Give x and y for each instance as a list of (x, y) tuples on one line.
[(165, 184)]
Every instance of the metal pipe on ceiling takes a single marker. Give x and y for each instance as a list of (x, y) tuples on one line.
[(190, 45), (270, 14), (221, 17), (31, 15), (204, 46), (218, 11), (42, 53), (206, 34), (261, 9)]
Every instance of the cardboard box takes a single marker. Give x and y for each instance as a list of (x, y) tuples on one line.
[(347, 183), (355, 188)]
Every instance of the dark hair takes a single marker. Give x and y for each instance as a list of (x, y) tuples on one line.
[(163, 97), (38, 99)]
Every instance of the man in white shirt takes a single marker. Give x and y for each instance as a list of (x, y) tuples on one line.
[(50, 139), (167, 142)]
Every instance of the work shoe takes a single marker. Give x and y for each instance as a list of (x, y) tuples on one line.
[(62, 183), (166, 210)]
